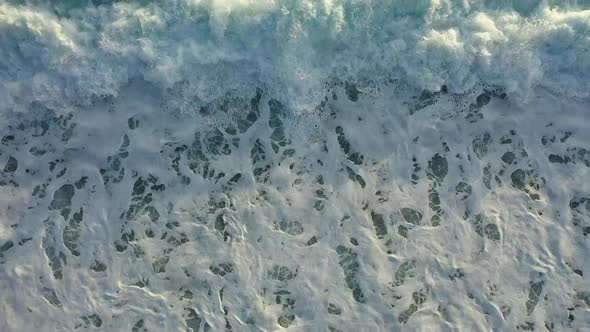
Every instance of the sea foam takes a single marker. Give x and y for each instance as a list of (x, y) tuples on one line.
[(62, 55), (185, 165)]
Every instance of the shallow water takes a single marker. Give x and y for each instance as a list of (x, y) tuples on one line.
[(294, 165)]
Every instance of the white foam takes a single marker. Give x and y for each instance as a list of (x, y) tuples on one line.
[(343, 216), (292, 47)]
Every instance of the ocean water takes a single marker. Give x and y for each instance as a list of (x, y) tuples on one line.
[(296, 165)]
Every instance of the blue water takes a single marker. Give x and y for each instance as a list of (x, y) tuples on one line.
[(302, 165)]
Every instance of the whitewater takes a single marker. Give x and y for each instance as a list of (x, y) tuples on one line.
[(295, 165)]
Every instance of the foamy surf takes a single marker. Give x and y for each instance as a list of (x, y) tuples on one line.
[(294, 165)]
